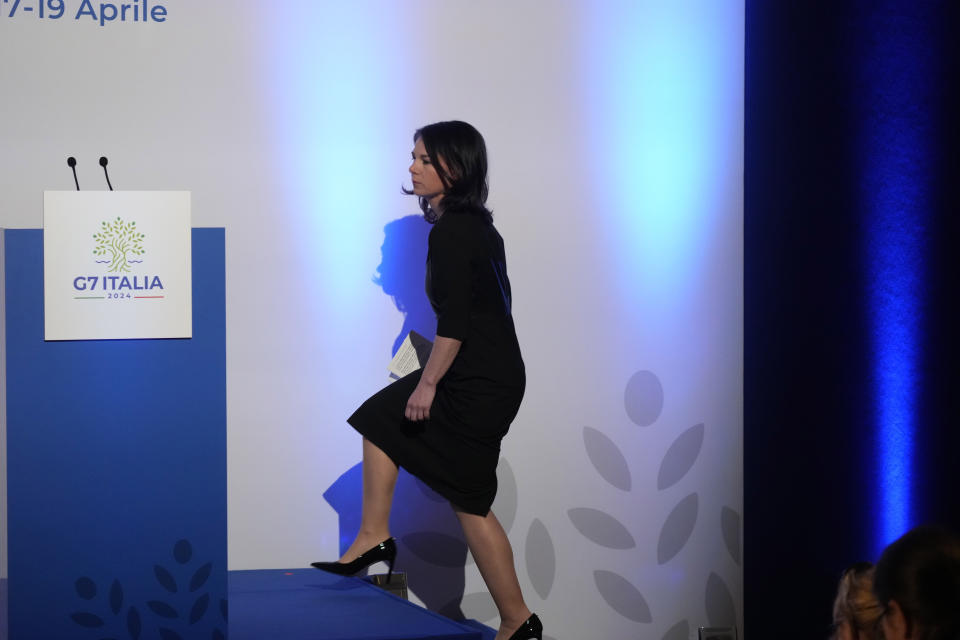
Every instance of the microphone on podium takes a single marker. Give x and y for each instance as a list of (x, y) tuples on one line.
[(72, 163), (103, 163)]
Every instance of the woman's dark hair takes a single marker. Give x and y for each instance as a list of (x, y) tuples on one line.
[(460, 148), (921, 572)]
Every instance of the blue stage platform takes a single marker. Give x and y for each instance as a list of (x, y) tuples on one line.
[(302, 604)]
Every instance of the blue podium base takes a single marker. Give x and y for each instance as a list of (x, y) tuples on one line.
[(116, 467), (301, 604), (3, 609)]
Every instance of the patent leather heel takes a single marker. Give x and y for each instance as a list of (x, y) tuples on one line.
[(531, 629), (386, 551)]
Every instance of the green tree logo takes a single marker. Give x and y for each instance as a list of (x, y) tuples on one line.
[(118, 241)]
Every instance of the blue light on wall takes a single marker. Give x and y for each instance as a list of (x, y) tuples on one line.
[(898, 75), (337, 73), (666, 105), (336, 90)]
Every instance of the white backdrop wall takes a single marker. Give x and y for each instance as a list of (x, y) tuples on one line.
[(615, 132)]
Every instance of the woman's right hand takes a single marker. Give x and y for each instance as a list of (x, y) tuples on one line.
[(420, 401)]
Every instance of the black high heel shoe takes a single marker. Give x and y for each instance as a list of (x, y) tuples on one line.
[(386, 551), (531, 629)]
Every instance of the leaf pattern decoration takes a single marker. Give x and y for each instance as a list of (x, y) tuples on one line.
[(116, 597), (607, 458), (88, 620), (721, 612), (622, 596), (643, 398), (601, 528), (505, 504), (199, 608), (86, 588), (165, 578), (679, 631), (541, 559), (182, 551), (479, 606), (200, 577), (677, 528), (680, 457), (162, 609), (730, 526), (133, 623)]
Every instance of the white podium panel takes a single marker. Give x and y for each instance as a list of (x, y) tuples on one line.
[(116, 265)]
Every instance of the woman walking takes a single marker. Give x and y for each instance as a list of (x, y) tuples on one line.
[(444, 423)]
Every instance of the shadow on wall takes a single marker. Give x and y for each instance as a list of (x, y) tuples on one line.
[(432, 550), (401, 275)]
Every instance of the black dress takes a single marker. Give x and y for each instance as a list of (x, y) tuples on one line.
[(456, 451)]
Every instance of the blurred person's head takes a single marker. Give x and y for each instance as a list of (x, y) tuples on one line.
[(856, 611), (917, 580)]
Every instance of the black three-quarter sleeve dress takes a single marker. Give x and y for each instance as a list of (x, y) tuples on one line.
[(456, 451)]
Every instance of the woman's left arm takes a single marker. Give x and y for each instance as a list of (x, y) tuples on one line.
[(441, 357)]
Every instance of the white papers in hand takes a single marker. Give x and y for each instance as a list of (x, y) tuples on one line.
[(411, 355)]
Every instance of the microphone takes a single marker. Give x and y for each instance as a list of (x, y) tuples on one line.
[(72, 163), (103, 163)]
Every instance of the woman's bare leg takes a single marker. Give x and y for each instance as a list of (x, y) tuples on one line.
[(379, 480), (491, 549)]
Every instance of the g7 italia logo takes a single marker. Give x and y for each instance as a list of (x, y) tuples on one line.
[(118, 246), (120, 241)]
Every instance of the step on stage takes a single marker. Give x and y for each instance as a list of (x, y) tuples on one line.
[(306, 604)]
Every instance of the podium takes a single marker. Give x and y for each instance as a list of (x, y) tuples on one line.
[(116, 478)]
